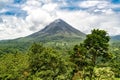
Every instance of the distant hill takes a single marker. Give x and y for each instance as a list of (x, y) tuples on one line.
[(115, 38)]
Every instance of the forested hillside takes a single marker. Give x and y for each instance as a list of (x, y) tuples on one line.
[(92, 59)]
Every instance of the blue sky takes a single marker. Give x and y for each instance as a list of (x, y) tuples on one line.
[(19, 18)]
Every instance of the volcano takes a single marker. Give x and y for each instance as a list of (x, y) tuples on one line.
[(57, 30)]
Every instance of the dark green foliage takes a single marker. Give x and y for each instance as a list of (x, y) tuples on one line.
[(79, 57), (97, 40), (97, 47), (115, 61), (13, 66), (13, 46), (92, 52), (47, 64)]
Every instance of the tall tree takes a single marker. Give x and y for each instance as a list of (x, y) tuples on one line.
[(97, 48), (93, 51)]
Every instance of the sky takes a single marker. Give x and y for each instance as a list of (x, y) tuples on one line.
[(19, 18)]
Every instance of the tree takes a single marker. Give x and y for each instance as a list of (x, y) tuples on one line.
[(47, 64), (93, 51), (79, 59), (97, 45)]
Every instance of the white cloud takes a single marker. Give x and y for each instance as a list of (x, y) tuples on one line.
[(87, 4), (49, 7), (13, 27), (33, 3), (40, 15), (96, 6)]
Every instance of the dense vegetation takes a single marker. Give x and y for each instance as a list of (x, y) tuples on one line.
[(92, 59)]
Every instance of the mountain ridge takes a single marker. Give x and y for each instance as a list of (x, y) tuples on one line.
[(115, 38)]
